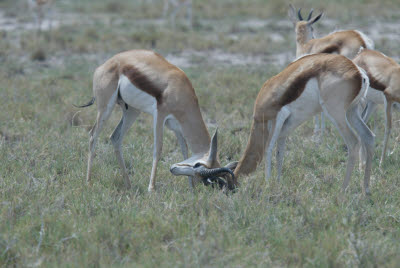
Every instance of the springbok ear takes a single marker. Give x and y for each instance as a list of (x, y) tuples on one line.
[(292, 14), (212, 153), (315, 19)]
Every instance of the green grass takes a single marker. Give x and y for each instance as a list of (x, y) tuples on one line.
[(50, 217)]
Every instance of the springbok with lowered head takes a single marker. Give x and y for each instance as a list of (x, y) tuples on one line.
[(340, 84), (143, 81), (384, 75)]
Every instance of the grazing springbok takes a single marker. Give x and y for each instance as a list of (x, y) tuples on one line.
[(340, 85), (347, 43), (40, 8), (384, 75), (172, 7), (143, 81)]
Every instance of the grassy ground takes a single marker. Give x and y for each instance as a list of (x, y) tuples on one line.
[(49, 217)]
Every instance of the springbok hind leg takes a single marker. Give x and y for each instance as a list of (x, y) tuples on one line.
[(275, 132), (102, 115), (388, 128), (128, 118), (280, 152), (338, 118), (367, 140)]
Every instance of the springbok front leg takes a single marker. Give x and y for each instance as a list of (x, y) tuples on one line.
[(174, 126), (388, 128), (129, 115), (102, 115), (158, 125)]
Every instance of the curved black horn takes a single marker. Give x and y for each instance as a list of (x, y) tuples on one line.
[(299, 14), (309, 15), (205, 172)]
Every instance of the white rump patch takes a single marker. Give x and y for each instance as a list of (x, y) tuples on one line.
[(135, 97), (368, 42)]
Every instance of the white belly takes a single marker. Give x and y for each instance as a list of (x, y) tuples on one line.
[(307, 104), (135, 97), (303, 107)]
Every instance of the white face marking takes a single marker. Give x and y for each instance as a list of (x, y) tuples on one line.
[(135, 97)]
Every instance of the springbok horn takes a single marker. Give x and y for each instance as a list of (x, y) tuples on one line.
[(299, 14), (212, 156), (309, 15), (205, 172)]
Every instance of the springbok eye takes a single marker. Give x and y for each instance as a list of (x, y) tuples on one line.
[(197, 165)]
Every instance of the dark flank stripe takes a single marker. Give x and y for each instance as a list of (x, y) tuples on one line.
[(375, 83), (330, 49), (142, 82), (297, 86)]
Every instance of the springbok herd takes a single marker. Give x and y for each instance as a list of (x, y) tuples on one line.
[(339, 74)]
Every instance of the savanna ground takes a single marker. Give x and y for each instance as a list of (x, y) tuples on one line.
[(50, 217)]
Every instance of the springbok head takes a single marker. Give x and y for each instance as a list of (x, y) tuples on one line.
[(206, 167), (303, 28)]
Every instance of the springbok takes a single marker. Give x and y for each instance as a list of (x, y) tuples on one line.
[(176, 6), (40, 7), (384, 74), (143, 81), (340, 85), (347, 43)]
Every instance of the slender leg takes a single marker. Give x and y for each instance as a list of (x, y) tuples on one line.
[(322, 124), (316, 125), (158, 125), (174, 126), (368, 111), (102, 116), (338, 118), (189, 11), (174, 12), (367, 140), (276, 130), (165, 10), (128, 118), (280, 152), (267, 154), (388, 128)]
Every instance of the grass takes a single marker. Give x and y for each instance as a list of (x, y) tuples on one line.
[(50, 217)]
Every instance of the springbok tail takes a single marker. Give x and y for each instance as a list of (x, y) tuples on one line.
[(368, 42), (85, 105)]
